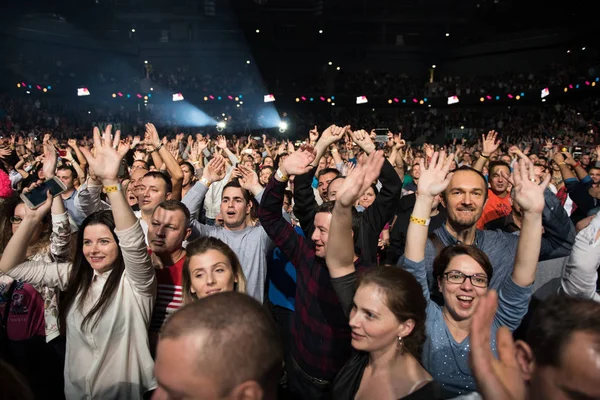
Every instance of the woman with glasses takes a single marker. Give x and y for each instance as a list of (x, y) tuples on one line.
[(463, 273)]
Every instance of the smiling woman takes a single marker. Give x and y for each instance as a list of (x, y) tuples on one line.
[(211, 267)]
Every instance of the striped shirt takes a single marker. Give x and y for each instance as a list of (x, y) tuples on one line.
[(170, 295)]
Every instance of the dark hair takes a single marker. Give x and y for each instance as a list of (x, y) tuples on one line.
[(327, 207), (236, 184), (146, 165), (555, 320), (66, 167), (175, 205), (229, 353), (160, 175), (442, 260), (404, 297), (189, 165), (267, 167), (288, 194), (467, 168), (201, 246), (328, 171), (80, 278), (7, 210), (498, 163)]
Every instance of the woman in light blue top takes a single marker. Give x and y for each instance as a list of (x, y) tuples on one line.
[(463, 272)]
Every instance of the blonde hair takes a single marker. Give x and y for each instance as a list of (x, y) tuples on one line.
[(201, 246)]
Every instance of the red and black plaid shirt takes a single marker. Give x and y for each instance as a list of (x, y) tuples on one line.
[(321, 332)]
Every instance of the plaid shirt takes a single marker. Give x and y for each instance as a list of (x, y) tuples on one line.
[(320, 329)]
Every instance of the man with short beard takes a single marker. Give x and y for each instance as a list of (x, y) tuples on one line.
[(464, 199)]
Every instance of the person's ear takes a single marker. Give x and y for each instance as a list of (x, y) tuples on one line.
[(249, 207), (188, 232), (439, 282), (525, 359), (168, 196), (249, 390), (406, 328)]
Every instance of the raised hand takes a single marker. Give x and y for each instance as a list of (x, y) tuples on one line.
[(490, 144), (529, 195), (497, 379), (399, 142), (333, 134), (362, 138), (152, 136), (106, 159), (5, 151), (221, 142), (429, 150), (290, 147), (248, 178), (298, 162), (360, 179), (569, 158), (50, 159), (38, 213), (215, 169), (435, 179), (313, 135)]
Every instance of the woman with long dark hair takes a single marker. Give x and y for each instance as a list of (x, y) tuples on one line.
[(110, 289), (386, 311)]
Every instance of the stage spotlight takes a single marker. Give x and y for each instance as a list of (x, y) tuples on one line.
[(221, 125), (283, 127)]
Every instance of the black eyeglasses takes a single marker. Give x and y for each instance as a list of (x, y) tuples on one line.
[(458, 278), (16, 220)]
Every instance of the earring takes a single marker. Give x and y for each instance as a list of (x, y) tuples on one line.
[(399, 341)]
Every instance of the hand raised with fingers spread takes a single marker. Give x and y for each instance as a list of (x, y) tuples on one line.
[(437, 176), (298, 162), (497, 379), (360, 179), (529, 195), (50, 160), (215, 169), (5, 151), (106, 159), (221, 142), (490, 144)]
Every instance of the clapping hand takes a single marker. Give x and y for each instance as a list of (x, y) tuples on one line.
[(106, 160), (299, 162), (360, 179), (435, 179)]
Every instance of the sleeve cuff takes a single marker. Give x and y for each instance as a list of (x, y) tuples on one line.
[(60, 217)]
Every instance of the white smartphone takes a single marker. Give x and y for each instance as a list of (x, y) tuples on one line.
[(37, 196)]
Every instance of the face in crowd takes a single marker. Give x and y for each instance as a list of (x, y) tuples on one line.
[(234, 208)]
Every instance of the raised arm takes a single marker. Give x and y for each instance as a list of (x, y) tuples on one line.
[(170, 162), (340, 246), (530, 197), (490, 145), (105, 163), (436, 180)]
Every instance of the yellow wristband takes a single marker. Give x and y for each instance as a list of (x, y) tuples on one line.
[(112, 188), (420, 221), (281, 176)]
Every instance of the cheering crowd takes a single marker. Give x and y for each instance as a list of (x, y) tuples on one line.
[(347, 265)]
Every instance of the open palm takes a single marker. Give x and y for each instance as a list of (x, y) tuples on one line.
[(360, 179), (106, 159), (529, 195), (298, 162), (435, 179)]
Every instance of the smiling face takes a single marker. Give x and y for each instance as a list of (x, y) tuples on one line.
[(321, 233), (211, 272), (461, 299), (100, 248), (464, 198), (374, 326), (367, 198)]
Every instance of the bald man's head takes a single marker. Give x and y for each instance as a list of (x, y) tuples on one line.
[(222, 346)]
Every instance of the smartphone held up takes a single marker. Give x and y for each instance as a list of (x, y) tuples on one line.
[(36, 197)]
